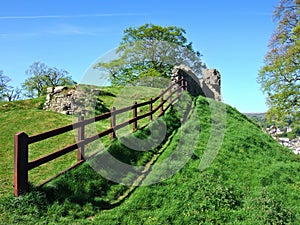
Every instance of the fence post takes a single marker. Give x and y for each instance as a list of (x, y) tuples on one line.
[(80, 155), (161, 101), (113, 122), (20, 163), (150, 110), (170, 93), (182, 85), (185, 85), (134, 112)]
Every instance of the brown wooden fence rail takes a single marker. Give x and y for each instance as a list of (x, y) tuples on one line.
[(22, 140)]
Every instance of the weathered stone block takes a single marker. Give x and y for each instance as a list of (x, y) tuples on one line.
[(50, 90), (59, 89)]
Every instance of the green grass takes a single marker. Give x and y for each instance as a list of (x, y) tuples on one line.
[(121, 97), (252, 180), (36, 103), (27, 116), (32, 121)]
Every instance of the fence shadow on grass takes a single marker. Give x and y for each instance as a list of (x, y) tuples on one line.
[(84, 185)]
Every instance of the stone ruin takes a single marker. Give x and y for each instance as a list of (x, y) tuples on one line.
[(70, 100), (193, 83), (209, 85), (73, 100)]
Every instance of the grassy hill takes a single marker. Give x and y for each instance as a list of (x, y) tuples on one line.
[(252, 180), (27, 116)]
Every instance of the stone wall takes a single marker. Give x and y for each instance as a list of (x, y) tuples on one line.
[(209, 85), (193, 83), (70, 100)]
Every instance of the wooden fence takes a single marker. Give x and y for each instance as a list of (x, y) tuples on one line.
[(22, 140)]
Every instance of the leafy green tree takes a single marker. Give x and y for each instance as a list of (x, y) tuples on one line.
[(280, 76), (42, 77), (150, 52)]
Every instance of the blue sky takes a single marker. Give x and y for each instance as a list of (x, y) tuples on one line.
[(232, 35)]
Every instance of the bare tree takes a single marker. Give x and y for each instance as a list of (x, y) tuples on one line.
[(13, 94), (4, 87)]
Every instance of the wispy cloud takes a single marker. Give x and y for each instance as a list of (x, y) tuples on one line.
[(67, 29), (34, 17), (57, 30), (18, 35), (60, 29)]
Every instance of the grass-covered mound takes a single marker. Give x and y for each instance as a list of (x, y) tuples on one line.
[(28, 116), (252, 180)]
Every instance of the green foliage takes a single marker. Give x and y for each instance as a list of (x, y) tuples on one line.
[(260, 119), (150, 51), (41, 77), (279, 78)]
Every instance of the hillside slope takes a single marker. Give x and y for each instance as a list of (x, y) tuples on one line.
[(252, 180), (26, 117)]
